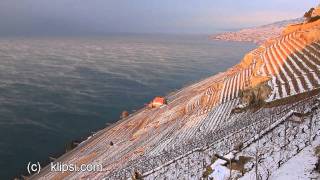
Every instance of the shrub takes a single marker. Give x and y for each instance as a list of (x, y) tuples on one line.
[(207, 172)]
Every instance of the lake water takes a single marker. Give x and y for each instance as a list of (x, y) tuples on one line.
[(55, 90)]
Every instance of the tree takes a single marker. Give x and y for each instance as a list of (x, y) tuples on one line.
[(308, 15)]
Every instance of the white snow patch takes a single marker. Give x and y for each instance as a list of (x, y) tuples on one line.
[(221, 172), (299, 167), (242, 105)]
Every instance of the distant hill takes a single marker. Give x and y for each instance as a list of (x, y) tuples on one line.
[(256, 34)]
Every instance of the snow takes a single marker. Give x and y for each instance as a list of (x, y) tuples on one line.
[(300, 166), (242, 105), (221, 172)]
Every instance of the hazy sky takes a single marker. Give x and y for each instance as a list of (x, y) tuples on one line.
[(140, 16)]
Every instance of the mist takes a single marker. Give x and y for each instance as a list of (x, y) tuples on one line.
[(79, 17)]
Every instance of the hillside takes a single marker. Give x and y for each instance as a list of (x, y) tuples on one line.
[(255, 116), (256, 34)]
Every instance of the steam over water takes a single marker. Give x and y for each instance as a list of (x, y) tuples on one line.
[(54, 90)]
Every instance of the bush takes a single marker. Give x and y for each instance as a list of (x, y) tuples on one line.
[(207, 172)]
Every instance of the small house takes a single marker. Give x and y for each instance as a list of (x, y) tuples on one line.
[(124, 114), (157, 102)]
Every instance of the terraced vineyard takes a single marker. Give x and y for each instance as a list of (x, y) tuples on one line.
[(202, 119)]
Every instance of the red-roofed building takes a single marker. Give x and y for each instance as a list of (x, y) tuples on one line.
[(157, 102)]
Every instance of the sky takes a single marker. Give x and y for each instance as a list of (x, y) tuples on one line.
[(63, 17)]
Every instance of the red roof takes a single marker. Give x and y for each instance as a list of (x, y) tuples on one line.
[(159, 100)]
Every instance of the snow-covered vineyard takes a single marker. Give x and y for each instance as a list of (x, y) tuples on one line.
[(293, 64), (278, 133), (265, 110)]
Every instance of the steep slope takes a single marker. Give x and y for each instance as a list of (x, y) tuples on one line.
[(212, 116)]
